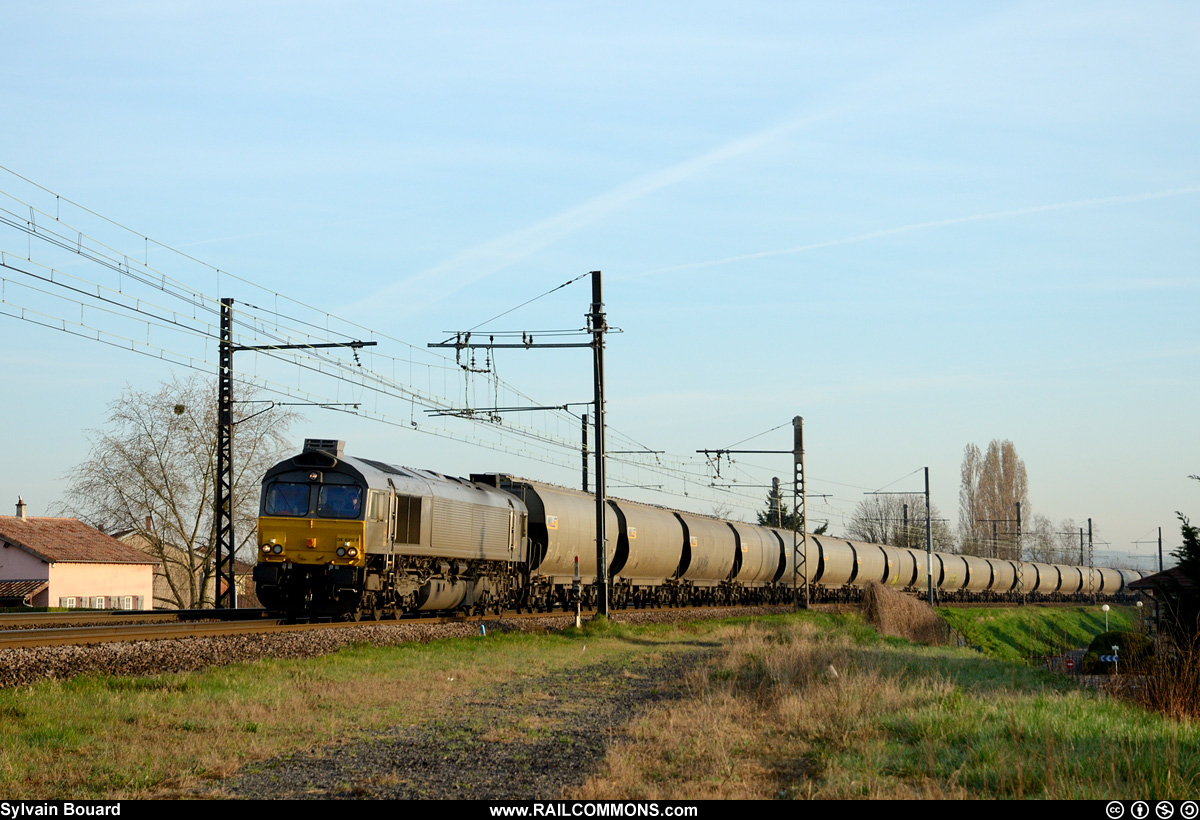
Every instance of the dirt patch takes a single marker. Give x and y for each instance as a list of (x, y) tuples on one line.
[(522, 739)]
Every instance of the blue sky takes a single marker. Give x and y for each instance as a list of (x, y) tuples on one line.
[(917, 225)]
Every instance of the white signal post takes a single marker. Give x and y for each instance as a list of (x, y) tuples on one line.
[(578, 590)]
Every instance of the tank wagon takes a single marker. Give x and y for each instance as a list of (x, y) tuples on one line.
[(348, 537)]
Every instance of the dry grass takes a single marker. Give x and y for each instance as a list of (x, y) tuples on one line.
[(1172, 686), (902, 616), (797, 710), (766, 721)]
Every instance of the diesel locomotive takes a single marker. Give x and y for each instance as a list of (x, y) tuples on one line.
[(349, 537)]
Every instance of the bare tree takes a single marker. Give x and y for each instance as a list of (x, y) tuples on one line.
[(1070, 537), (1043, 540), (1039, 541), (883, 519), (724, 511), (151, 473), (993, 483)]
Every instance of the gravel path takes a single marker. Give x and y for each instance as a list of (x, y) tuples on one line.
[(525, 739)]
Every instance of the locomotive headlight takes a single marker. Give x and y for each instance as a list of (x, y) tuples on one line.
[(277, 549), (353, 552), (341, 551)]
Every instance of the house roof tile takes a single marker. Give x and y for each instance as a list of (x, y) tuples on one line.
[(22, 589), (67, 540)]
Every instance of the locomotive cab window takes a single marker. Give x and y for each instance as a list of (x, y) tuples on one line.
[(286, 499), (339, 501)]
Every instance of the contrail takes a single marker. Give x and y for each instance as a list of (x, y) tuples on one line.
[(437, 282), (919, 226)]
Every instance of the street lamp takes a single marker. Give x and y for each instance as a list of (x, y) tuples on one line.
[(1105, 608)]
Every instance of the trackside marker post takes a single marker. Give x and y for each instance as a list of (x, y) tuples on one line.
[(577, 592)]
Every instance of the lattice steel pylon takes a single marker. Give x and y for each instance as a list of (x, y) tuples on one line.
[(226, 546), (226, 593), (800, 520)]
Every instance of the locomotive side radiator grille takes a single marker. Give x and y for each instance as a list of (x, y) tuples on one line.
[(465, 530)]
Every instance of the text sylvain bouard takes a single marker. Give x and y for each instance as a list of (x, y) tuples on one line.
[(64, 808)]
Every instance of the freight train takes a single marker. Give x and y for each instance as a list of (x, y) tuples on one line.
[(351, 537)]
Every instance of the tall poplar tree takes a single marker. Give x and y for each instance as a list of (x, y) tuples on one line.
[(993, 483)]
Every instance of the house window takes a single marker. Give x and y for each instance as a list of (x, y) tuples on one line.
[(98, 602), (127, 602), (67, 603)]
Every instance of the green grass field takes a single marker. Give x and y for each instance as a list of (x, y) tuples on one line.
[(795, 706), (1022, 633)]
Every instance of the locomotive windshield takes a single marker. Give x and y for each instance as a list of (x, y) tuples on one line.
[(339, 501), (287, 499)]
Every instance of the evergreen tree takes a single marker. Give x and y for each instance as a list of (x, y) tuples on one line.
[(1181, 601), (1189, 553), (777, 513), (776, 509)]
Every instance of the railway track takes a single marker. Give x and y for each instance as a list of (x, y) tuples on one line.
[(99, 629), (83, 628), (42, 620)]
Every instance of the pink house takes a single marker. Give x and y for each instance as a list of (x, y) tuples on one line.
[(62, 562)]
